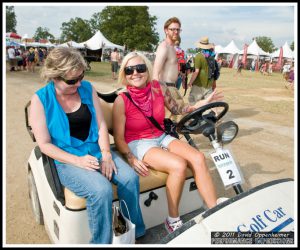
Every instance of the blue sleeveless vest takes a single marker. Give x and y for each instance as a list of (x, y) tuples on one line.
[(58, 123)]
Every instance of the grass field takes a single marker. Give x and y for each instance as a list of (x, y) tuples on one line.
[(249, 88), (266, 92)]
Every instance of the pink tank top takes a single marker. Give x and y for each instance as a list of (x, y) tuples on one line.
[(137, 126)]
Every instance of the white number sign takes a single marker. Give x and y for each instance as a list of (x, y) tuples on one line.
[(226, 166)]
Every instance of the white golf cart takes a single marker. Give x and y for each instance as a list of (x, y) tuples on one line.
[(64, 214)]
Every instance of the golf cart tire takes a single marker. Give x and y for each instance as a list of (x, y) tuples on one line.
[(34, 198)]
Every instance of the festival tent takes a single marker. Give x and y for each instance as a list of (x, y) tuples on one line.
[(98, 41), (13, 35), (72, 44), (254, 49), (218, 49), (287, 52), (13, 43), (231, 48), (231, 52)]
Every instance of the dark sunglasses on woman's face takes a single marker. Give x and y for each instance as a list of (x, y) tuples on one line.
[(72, 81), (140, 68)]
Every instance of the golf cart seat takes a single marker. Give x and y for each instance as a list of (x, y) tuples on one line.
[(153, 181)]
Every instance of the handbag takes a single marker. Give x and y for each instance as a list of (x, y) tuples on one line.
[(123, 228), (170, 126)]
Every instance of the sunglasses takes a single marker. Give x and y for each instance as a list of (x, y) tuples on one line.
[(173, 29), (140, 68), (73, 81)]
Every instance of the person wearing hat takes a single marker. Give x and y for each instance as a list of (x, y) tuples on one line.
[(165, 69), (203, 80)]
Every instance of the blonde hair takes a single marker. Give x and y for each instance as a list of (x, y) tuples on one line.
[(122, 77), (60, 61)]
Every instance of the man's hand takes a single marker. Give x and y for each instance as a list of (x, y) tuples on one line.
[(215, 96)]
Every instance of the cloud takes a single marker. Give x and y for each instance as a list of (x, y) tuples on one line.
[(222, 22)]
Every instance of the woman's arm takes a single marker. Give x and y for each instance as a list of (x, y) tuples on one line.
[(119, 120), (180, 108), (173, 105), (37, 121), (107, 164)]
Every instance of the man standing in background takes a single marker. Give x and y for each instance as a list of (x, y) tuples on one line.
[(114, 59)]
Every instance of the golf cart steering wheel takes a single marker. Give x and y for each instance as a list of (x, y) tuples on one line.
[(192, 122)]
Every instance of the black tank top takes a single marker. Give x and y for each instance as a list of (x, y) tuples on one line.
[(80, 122)]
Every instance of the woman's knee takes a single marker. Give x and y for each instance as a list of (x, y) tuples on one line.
[(102, 191), (178, 167), (130, 179), (198, 161)]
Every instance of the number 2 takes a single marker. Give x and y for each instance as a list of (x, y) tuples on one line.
[(231, 176)]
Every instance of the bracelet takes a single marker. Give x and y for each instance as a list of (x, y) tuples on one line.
[(128, 155), (105, 150)]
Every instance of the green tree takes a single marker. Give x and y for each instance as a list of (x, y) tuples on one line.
[(265, 43), (77, 30), (129, 25), (43, 33), (292, 46), (11, 21)]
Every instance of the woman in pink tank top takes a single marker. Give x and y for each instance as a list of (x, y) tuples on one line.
[(146, 146)]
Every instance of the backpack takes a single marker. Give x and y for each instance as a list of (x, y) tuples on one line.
[(211, 67), (217, 71), (31, 56), (17, 53)]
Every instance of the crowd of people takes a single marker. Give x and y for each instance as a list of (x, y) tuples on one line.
[(21, 58), (73, 132)]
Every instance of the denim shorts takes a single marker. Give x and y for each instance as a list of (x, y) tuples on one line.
[(140, 147)]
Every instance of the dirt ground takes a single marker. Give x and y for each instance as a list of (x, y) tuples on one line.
[(264, 148)]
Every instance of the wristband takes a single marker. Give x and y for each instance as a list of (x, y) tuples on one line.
[(105, 150)]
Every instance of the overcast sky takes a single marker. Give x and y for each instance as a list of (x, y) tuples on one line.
[(220, 22)]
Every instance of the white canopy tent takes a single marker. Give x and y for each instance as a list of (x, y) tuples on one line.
[(72, 44), (98, 41), (218, 49), (37, 44), (254, 49), (287, 52), (231, 48)]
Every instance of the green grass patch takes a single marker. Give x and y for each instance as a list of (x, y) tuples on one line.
[(99, 69)]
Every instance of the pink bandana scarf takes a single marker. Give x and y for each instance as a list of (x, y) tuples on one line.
[(142, 97)]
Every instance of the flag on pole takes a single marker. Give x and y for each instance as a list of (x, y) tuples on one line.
[(257, 64), (244, 59), (231, 63), (279, 62)]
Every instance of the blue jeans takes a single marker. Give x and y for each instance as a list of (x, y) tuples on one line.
[(98, 192)]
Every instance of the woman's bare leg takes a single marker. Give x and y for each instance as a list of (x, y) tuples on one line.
[(196, 161), (175, 167)]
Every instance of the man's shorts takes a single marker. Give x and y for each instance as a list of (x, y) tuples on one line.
[(198, 93), (114, 67), (140, 147)]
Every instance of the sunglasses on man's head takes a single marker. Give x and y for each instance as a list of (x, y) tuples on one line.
[(140, 68), (72, 81)]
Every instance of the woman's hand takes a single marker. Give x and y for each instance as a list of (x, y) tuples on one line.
[(107, 168), (139, 166), (88, 162)]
